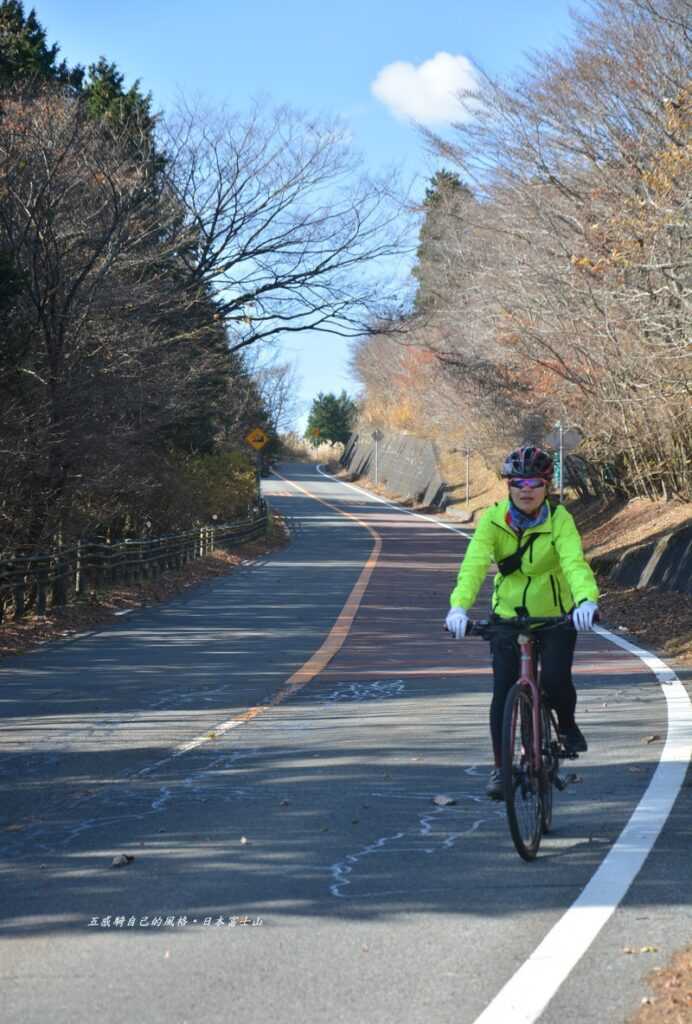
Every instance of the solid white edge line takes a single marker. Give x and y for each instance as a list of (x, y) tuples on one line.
[(399, 508), (530, 989), (525, 996)]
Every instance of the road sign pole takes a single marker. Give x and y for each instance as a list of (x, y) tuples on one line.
[(377, 436), (562, 463)]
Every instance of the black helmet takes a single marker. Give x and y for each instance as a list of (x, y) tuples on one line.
[(528, 461)]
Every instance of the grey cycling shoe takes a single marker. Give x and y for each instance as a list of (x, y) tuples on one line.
[(495, 788)]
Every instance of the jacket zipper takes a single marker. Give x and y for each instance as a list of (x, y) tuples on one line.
[(552, 585)]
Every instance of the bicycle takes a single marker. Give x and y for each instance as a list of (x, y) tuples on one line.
[(531, 747)]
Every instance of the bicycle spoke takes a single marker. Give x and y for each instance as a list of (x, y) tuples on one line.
[(549, 768)]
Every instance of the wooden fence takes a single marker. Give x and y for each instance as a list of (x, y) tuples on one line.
[(31, 581)]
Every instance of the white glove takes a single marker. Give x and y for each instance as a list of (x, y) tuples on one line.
[(457, 622), (583, 616)]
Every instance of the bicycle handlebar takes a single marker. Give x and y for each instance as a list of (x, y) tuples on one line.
[(518, 622), (485, 627)]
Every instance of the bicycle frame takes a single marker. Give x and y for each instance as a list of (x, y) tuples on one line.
[(527, 678)]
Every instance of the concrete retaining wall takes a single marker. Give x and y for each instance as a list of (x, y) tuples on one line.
[(665, 563), (406, 465)]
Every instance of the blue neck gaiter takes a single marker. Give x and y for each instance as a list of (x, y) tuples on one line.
[(518, 520)]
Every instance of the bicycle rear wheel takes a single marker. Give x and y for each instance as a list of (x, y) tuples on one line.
[(550, 765), (522, 783)]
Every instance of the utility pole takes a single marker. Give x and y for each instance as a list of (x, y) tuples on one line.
[(377, 436)]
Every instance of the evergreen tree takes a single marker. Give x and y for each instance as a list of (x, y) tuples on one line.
[(331, 418), (24, 53), (444, 200), (107, 99)]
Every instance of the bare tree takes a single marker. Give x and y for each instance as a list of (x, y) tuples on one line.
[(287, 232), (278, 386), (580, 266)]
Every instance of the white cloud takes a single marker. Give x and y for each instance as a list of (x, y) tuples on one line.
[(428, 92)]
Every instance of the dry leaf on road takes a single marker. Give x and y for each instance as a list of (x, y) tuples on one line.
[(122, 859)]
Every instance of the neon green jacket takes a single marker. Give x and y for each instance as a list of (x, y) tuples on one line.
[(554, 575)]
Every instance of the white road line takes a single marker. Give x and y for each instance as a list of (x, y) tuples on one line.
[(525, 996), (528, 992), (399, 508)]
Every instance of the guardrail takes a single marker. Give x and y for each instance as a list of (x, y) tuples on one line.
[(54, 577)]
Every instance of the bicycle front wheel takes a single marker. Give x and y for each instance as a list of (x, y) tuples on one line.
[(523, 798)]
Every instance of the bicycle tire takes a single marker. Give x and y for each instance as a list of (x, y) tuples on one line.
[(548, 769), (522, 784)]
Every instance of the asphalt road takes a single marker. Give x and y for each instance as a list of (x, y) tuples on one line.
[(289, 861)]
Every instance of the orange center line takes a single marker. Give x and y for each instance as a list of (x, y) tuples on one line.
[(342, 627)]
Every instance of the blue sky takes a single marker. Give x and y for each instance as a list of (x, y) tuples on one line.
[(316, 56)]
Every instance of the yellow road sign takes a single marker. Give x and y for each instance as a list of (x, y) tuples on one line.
[(257, 438)]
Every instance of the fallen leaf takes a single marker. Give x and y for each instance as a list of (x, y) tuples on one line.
[(649, 949), (285, 803), (244, 840), (628, 949), (14, 828), (122, 859), (443, 801), (651, 739)]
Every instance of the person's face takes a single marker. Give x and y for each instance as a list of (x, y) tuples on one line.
[(528, 495)]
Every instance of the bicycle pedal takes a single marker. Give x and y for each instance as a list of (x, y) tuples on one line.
[(561, 783)]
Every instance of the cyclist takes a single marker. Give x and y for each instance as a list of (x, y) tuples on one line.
[(541, 571)]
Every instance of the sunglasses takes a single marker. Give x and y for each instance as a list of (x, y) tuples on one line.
[(531, 485)]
